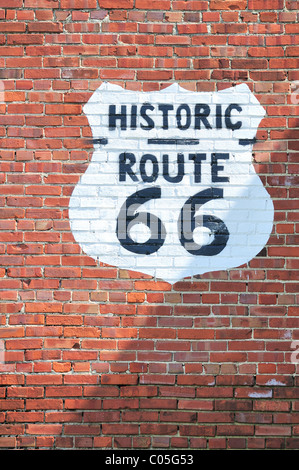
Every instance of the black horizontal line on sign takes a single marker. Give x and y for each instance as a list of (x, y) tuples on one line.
[(173, 141), (243, 142), (247, 141), (102, 141)]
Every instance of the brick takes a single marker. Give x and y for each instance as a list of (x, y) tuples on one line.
[(8, 442), (195, 5), (11, 404), (43, 50), (24, 39), (44, 429), (273, 430), (63, 109), (267, 5), (41, 4), (12, 4), (45, 27), (13, 27), (163, 4), (11, 380), (224, 5), (78, 4)]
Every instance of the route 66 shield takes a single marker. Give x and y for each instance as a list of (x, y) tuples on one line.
[(171, 190)]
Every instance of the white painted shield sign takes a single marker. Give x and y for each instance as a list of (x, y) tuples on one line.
[(171, 190)]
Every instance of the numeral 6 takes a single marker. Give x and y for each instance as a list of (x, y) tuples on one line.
[(128, 217), (188, 222)]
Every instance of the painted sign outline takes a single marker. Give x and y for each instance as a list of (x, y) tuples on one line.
[(121, 138)]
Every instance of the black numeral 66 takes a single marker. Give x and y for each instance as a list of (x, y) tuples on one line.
[(187, 223)]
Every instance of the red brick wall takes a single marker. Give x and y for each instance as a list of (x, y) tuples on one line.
[(92, 356)]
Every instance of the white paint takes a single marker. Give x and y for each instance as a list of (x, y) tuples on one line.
[(246, 207), (274, 382), (295, 354), (261, 394), (2, 351)]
